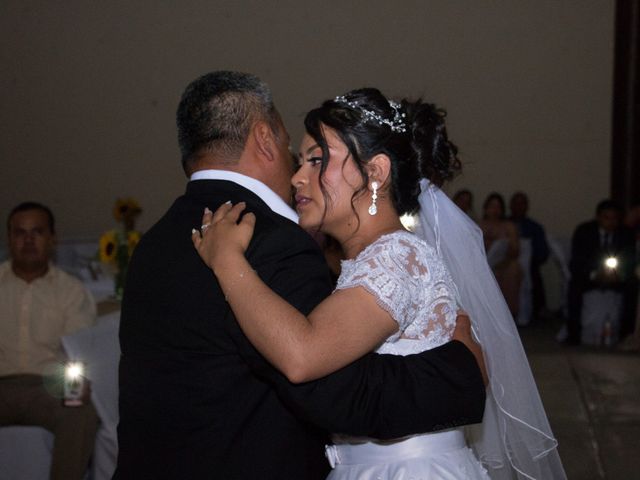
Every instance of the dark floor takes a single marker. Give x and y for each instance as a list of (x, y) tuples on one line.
[(592, 399)]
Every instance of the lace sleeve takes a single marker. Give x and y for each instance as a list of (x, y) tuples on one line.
[(408, 281)]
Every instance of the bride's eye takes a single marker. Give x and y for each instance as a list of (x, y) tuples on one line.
[(315, 161)]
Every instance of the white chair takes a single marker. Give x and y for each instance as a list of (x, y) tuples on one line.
[(559, 254), (98, 347), (25, 453), (601, 310)]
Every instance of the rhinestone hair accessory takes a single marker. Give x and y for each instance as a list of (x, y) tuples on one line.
[(397, 124)]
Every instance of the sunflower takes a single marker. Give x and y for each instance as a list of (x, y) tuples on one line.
[(109, 246)]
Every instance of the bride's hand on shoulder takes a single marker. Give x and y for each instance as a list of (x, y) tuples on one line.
[(221, 236)]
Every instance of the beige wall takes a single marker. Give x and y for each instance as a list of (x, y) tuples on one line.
[(89, 90)]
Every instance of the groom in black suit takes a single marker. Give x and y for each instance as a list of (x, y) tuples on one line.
[(196, 399)]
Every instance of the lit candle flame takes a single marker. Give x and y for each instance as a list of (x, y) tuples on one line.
[(611, 262), (74, 370)]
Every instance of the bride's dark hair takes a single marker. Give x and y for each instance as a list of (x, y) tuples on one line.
[(369, 124)]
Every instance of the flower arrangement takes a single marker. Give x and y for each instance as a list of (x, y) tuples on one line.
[(117, 245)]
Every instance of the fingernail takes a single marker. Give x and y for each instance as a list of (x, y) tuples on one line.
[(228, 202), (193, 230), (206, 210)]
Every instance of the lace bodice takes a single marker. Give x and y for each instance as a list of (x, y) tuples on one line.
[(410, 282)]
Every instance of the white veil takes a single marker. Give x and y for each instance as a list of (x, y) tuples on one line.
[(514, 440)]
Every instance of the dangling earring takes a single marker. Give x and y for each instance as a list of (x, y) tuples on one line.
[(373, 209)]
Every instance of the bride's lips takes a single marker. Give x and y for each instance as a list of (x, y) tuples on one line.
[(301, 200)]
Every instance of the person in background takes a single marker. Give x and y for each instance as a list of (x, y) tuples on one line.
[(503, 248), (39, 304), (464, 200), (632, 220), (533, 231), (594, 242)]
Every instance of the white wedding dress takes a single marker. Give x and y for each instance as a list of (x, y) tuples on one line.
[(410, 281)]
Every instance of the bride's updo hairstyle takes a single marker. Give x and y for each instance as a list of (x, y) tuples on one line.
[(411, 134)]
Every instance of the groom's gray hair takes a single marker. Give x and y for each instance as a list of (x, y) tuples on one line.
[(216, 113)]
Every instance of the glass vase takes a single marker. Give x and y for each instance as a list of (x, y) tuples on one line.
[(122, 263)]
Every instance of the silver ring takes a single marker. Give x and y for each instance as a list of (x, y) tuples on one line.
[(204, 226)]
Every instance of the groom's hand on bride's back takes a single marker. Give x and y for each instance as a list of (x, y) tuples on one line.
[(462, 333)]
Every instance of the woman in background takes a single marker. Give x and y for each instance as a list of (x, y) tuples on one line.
[(503, 247)]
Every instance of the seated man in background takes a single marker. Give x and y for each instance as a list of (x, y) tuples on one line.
[(602, 257), (39, 304), (533, 231)]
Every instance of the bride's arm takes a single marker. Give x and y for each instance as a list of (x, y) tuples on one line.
[(345, 326)]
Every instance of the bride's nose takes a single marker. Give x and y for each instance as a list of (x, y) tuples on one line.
[(298, 179)]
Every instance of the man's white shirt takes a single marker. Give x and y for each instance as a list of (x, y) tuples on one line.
[(268, 196)]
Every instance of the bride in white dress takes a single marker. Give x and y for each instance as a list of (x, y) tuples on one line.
[(410, 282), (360, 166)]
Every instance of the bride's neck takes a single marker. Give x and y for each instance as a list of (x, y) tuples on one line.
[(368, 233)]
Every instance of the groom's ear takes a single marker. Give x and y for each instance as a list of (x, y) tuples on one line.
[(264, 140)]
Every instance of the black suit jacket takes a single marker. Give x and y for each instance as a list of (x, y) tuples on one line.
[(198, 401), (588, 255)]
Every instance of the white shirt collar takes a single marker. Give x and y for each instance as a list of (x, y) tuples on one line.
[(267, 195)]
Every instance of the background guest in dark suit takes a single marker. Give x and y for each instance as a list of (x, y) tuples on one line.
[(592, 243), (196, 399)]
